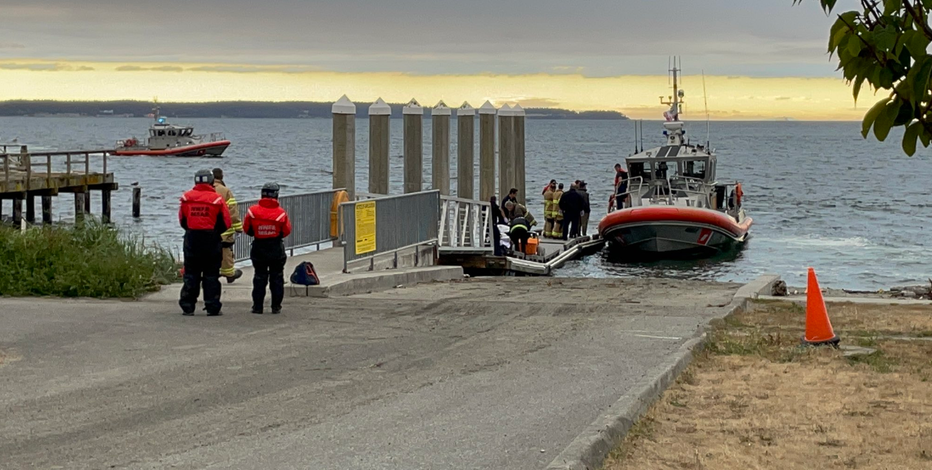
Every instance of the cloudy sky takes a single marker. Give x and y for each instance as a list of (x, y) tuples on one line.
[(762, 58)]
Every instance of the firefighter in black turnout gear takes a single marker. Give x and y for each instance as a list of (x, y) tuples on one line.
[(204, 216), (268, 224)]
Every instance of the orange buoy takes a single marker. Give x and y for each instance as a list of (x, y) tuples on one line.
[(818, 327), (339, 197)]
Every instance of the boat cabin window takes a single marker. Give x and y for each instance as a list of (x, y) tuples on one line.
[(636, 169), (161, 133), (661, 172), (694, 169), (187, 132), (171, 132)]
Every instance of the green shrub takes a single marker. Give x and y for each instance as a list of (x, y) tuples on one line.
[(89, 260)]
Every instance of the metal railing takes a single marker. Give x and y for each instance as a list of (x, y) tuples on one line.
[(68, 163), (310, 215), (387, 225), (465, 225)]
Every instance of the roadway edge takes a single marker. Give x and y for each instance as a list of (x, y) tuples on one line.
[(589, 449)]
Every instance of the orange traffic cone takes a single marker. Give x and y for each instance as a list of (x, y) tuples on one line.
[(818, 327)]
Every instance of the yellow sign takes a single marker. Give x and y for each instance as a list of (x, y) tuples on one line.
[(365, 227)]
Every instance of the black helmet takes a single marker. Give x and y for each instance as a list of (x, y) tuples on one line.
[(204, 177), (270, 190)]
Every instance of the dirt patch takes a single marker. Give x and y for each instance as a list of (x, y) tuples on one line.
[(756, 399)]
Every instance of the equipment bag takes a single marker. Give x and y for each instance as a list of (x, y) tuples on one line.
[(305, 275)]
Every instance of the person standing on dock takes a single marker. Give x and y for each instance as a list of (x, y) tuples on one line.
[(227, 269), (550, 209), (512, 196), (558, 214), (584, 220), (573, 206), (513, 210), (204, 216), (268, 224)]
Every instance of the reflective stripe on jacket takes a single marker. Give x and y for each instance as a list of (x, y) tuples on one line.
[(227, 195)]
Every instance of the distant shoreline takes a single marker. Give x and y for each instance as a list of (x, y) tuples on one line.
[(237, 109)]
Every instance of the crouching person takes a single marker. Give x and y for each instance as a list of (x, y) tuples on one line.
[(268, 224)]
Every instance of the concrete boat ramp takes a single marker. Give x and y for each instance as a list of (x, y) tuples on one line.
[(475, 373)]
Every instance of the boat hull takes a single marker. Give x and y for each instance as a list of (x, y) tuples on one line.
[(208, 149), (672, 232)]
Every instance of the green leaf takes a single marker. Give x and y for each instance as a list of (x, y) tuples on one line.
[(857, 87), (905, 114), (886, 78), (854, 47), (910, 136), (916, 43), (891, 6), (921, 80), (885, 120), (924, 137), (872, 115), (886, 38)]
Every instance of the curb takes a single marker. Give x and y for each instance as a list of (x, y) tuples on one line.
[(589, 449), (351, 284)]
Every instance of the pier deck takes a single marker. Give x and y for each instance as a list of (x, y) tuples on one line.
[(26, 175)]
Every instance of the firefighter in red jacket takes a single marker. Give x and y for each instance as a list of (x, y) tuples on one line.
[(268, 224), (204, 216)]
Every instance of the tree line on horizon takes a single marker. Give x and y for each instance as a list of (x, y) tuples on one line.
[(239, 109)]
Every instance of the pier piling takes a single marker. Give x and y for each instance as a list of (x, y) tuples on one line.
[(105, 206), (440, 144), (344, 145), (79, 207), (414, 147), (17, 210), (380, 115), (30, 209), (520, 175), (137, 201), (46, 209), (486, 151), (506, 150), (465, 151)]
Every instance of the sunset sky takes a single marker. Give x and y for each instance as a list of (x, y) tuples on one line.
[(761, 59)]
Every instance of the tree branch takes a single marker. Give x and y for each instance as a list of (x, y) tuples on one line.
[(918, 18)]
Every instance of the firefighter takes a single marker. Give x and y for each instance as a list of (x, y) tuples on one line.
[(558, 214), (204, 217), (550, 208), (268, 224), (227, 269)]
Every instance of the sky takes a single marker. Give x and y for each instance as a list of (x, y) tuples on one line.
[(762, 59)]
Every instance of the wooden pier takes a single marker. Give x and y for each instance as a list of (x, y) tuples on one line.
[(46, 174)]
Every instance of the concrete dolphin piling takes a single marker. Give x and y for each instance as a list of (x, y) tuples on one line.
[(465, 151), (344, 145), (413, 146), (487, 151), (506, 150), (380, 115), (519, 157), (440, 145)]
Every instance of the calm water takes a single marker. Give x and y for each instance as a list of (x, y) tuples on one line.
[(820, 195)]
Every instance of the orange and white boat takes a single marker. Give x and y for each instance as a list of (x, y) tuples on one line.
[(670, 206), (170, 140)]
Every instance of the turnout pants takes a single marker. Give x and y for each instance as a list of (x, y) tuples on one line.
[(548, 227), (226, 268), (519, 239), (268, 273), (201, 266)]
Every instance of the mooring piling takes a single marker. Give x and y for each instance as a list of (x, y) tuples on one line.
[(487, 151), (344, 145), (440, 145), (506, 150), (413, 146), (137, 201), (380, 115), (519, 157), (465, 151)]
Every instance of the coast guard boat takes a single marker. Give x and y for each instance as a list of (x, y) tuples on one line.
[(673, 207), (170, 140)]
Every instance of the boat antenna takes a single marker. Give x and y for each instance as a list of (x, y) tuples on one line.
[(705, 100), (635, 136)]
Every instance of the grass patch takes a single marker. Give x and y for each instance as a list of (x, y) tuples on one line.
[(89, 260), (756, 398)]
